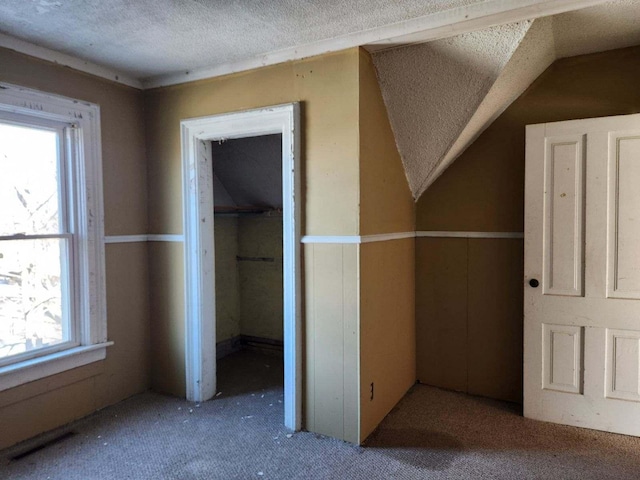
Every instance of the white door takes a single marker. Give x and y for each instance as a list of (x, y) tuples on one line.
[(582, 247)]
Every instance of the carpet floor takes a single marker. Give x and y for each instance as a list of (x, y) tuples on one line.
[(431, 434)]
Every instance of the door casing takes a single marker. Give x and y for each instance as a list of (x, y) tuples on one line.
[(199, 258)]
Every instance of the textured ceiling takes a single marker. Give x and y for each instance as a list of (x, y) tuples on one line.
[(441, 95), (433, 90), (146, 38), (596, 29)]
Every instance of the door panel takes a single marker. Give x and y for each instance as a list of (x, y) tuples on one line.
[(623, 359), (562, 362), (582, 241), (623, 224), (563, 215)]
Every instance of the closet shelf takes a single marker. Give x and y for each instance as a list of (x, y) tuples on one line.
[(248, 210)]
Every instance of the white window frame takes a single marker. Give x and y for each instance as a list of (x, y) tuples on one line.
[(82, 120)]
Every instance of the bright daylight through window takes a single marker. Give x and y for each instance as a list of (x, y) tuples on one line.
[(35, 308), (52, 298)]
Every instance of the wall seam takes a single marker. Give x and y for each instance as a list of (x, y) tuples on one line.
[(467, 322)]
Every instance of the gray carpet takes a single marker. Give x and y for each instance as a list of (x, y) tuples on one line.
[(239, 435)]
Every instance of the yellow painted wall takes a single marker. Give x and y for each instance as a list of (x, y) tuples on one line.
[(387, 328), (227, 293), (166, 278), (469, 315), (327, 88), (261, 283), (387, 281), (249, 294), (386, 203), (45, 404), (469, 293), (331, 404)]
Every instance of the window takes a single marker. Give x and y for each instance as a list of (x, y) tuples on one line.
[(52, 301)]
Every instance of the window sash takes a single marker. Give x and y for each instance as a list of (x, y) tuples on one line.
[(80, 124), (65, 149), (68, 282), (44, 236), (65, 157)]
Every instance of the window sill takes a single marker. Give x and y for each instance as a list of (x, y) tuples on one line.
[(36, 368)]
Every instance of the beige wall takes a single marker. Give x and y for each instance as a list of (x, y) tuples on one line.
[(249, 294), (469, 315), (386, 203), (469, 293), (48, 403), (227, 278), (387, 282), (387, 328), (327, 88), (261, 283), (331, 404), (166, 287)]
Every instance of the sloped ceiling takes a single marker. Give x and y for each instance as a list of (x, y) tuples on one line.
[(248, 172), (433, 90), (441, 95), (532, 57), (597, 29)]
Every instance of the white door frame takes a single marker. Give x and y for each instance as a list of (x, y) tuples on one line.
[(197, 173)]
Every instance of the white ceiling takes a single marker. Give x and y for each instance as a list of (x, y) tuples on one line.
[(432, 91), (156, 42), (615, 24), (147, 38), (441, 95)]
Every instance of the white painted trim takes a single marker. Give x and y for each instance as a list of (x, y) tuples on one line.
[(200, 354), (65, 60), (332, 239), (339, 239), (165, 237), (356, 239), (162, 237), (84, 151), (384, 237), (40, 367), (435, 234), (126, 238), (478, 16), (422, 29), (417, 30)]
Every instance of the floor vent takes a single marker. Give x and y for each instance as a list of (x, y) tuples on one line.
[(48, 443)]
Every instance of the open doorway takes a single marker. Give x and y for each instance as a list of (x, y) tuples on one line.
[(249, 287), (199, 190)]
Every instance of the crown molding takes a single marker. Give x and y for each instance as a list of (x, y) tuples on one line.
[(33, 50), (417, 30)]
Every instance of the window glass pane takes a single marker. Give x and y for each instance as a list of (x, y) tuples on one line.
[(33, 295), (29, 192)]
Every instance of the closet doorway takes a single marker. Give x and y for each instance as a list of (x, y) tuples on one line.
[(249, 287), (201, 137)]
